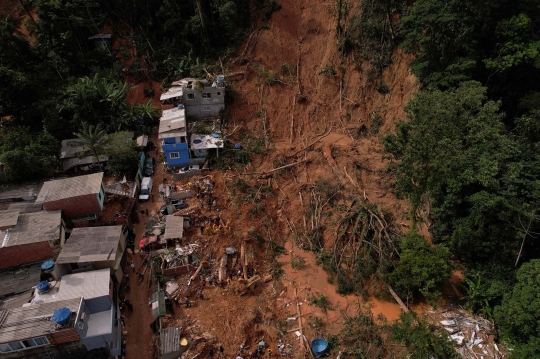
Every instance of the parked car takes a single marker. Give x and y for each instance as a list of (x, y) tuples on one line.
[(149, 166), (146, 188), (164, 210)]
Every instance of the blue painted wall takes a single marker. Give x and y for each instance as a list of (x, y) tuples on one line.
[(176, 146)]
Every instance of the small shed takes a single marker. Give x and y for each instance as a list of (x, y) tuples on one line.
[(174, 227), (172, 346), (158, 304)]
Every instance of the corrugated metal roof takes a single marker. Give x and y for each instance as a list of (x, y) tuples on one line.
[(33, 321), (25, 207), (17, 192), (8, 218), (172, 92), (19, 280), (90, 244), (33, 227), (170, 340), (70, 187), (174, 227), (158, 304), (172, 121)]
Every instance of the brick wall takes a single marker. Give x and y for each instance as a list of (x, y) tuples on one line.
[(63, 336), (25, 253), (75, 206)]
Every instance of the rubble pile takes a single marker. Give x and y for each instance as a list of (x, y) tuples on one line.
[(472, 334)]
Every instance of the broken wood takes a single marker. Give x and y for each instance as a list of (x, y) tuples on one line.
[(222, 265), (312, 143), (198, 270), (398, 300), (271, 171), (243, 261), (299, 318)]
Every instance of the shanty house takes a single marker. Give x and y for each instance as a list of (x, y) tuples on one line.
[(174, 227), (27, 192), (70, 152), (76, 196), (92, 248), (172, 346), (29, 237), (173, 136)]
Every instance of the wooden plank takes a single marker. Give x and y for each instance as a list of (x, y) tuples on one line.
[(398, 300)]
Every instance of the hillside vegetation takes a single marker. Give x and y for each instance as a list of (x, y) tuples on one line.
[(465, 156)]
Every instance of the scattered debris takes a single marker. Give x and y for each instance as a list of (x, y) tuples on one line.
[(472, 333)]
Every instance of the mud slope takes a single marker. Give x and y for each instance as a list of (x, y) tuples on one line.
[(345, 103)]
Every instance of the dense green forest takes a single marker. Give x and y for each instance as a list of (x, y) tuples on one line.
[(466, 156), (55, 82)]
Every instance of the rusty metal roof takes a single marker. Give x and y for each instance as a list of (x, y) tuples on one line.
[(174, 227)]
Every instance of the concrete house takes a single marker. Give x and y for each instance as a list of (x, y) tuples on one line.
[(92, 248), (29, 237), (75, 196), (173, 135), (92, 322), (99, 324), (200, 98)]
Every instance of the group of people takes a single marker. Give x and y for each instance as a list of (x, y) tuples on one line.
[(261, 350)]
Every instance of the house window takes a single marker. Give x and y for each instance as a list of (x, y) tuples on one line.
[(206, 95), (219, 93), (190, 96), (173, 155), (206, 108), (23, 344), (182, 140)]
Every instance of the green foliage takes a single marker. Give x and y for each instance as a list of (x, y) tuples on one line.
[(421, 339), (517, 44), (27, 155), (276, 248), (122, 153), (93, 139), (363, 338), (298, 262), (98, 101), (381, 88), (422, 268), (373, 32), (328, 70), (519, 314), (267, 76), (484, 286), (455, 150), (277, 271), (321, 301)]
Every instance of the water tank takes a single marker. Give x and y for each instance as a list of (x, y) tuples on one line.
[(319, 346), (220, 80), (43, 286), (47, 267), (62, 316)]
